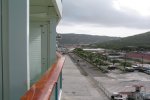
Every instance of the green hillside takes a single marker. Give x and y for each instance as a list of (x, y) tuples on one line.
[(136, 40), (84, 39)]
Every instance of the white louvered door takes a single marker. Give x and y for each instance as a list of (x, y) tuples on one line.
[(35, 51)]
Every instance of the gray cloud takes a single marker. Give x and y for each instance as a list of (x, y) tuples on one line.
[(101, 12)]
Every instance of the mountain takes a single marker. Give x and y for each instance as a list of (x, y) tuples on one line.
[(84, 39), (136, 40)]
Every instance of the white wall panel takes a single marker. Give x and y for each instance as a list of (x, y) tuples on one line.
[(18, 25), (0, 54), (35, 51), (52, 41), (5, 49)]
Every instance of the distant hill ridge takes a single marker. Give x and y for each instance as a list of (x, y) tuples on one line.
[(84, 39), (136, 40)]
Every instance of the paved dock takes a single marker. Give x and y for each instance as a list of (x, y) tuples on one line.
[(115, 80), (77, 86)]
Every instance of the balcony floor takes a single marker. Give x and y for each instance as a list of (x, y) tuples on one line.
[(77, 86)]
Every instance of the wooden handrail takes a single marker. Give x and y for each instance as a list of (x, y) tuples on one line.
[(42, 90)]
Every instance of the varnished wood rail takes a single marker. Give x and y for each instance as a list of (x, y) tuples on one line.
[(43, 89)]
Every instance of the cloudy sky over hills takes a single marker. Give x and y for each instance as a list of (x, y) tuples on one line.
[(105, 17)]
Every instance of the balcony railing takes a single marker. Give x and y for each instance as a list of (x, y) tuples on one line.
[(50, 85)]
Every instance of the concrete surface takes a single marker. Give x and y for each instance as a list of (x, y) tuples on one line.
[(77, 86), (116, 81)]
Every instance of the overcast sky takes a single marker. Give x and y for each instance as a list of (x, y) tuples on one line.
[(105, 17)]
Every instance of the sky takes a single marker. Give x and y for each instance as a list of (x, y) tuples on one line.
[(119, 18)]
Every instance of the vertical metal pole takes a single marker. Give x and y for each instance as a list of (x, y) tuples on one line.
[(61, 80), (142, 60), (142, 55), (56, 92), (125, 61)]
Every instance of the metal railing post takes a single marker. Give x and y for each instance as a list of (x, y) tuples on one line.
[(56, 91), (61, 80)]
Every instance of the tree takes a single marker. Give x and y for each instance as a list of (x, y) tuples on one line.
[(126, 64)]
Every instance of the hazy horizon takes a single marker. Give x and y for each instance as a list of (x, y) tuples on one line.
[(103, 35), (119, 18)]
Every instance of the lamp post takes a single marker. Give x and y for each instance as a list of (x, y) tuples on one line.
[(125, 57), (58, 38), (142, 59), (142, 55)]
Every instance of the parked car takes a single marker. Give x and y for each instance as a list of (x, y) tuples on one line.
[(146, 96), (117, 96), (135, 67), (129, 69), (142, 69), (111, 67), (147, 72)]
